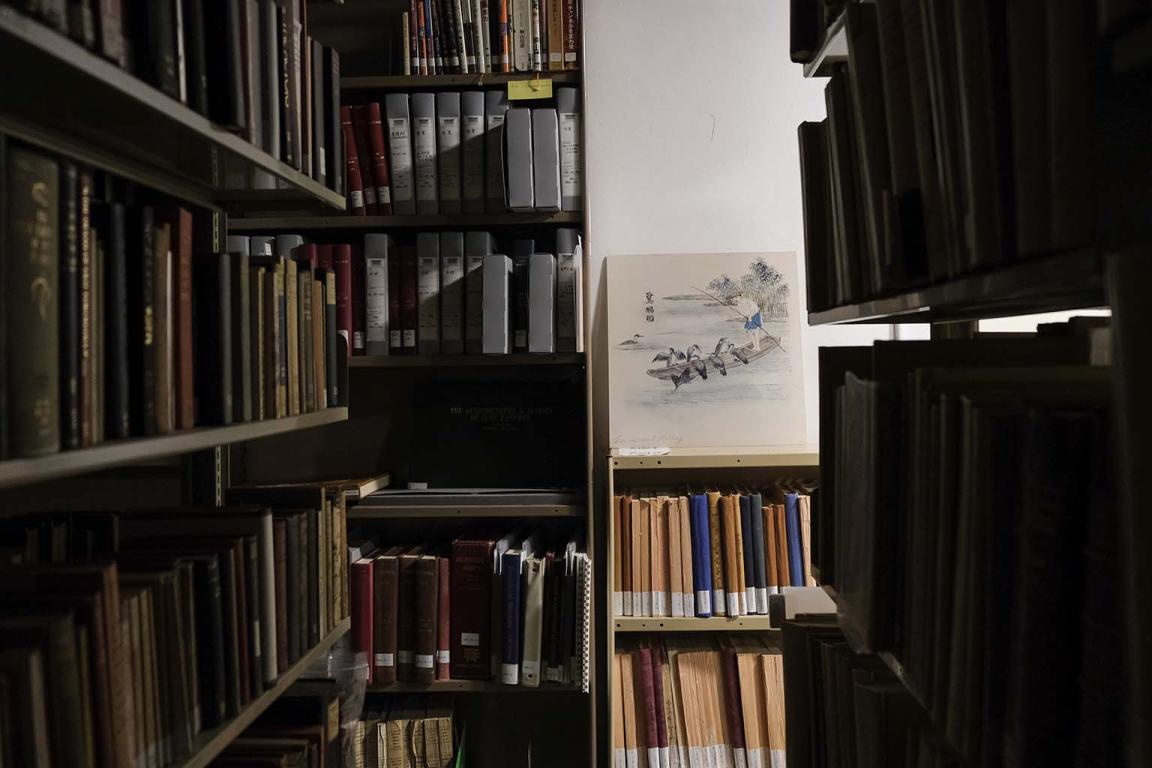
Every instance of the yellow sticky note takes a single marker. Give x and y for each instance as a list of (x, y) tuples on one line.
[(533, 88)]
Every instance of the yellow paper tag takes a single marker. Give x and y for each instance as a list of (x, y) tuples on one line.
[(533, 88)]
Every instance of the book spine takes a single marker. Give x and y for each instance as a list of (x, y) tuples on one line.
[(142, 327), (412, 65), (452, 302), (331, 339), (182, 262), (69, 240), (116, 328), (443, 614), (387, 577), (395, 331), (421, 36), (409, 274), (555, 52), (510, 582), (428, 335), (363, 146), (342, 255), (292, 334), (85, 319), (642, 667), (537, 38), (336, 139), (376, 297), (241, 339), (702, 556), (380, 175), (520, 268), (357, 300), (503, 35), (571, 34), (406, 619), (362, 604), (471, 593), (351, 164)]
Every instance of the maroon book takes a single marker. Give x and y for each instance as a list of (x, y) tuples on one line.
[(658, 698), (408, 316), (471, 614), (342, 256), (180, 222), (324, 257), (443, 611), (386, 575), (358, 318), (363, 150), (643, 673), (732, 707), (406, 616), (380, 175), (361, 585), (354, 180)]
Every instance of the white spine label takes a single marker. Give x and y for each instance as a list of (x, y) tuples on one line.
[(470, 639), (385, 660), (425, 660), (571, 170), (400, 143)]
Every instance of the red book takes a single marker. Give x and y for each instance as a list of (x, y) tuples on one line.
[(443, 611), (408, 316), (324, 257), (358, 318), (733, 710), (394, 333), (342, 256), (361, 584), (354, 181), (471, 611), (309, 252), (658, 698), (386, 595), (363, 151), (380, 175), (180, 222), (643, 674)]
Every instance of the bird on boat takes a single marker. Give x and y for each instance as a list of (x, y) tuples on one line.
[(739, 353), (632, 342), (717, 360), (722, 346), (683, 377), (670, 358), (696, 360)]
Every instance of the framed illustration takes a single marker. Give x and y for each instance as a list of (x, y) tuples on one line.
[(705, 351)]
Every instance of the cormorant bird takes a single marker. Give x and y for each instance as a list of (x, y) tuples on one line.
[(632, 342), (670, 358), (696, 358)]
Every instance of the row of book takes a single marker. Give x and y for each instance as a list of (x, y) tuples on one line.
[(975, 537), (302, 728), (409, 731), (450, 152), (452, 293), (848, 709), (125, 635), (248, 65), (480, 36), (708, 554), (695, 701), (957, 140), (515, 609), (124, 315)]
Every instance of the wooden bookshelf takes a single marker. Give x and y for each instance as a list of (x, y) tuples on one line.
[(1052, 283), (470, 686), (349, 223), (15, 472), (406, 82), (464, 361), (131, 124), (833, 50), (693, 624), (788, 456), (212, 742), (465, 512)]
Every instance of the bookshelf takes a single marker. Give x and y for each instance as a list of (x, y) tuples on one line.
[(833, 50), (466, 361), (117, 121), (410, 82), (210, 743), (477, 511), (472, 686), (377, 223), (623, 624), (14, 472), (1047, 284)]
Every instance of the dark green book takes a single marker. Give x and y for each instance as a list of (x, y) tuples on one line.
[(69, 307), (28, 297), (241, 330), (212, 313), (111, 226), (141, 287)]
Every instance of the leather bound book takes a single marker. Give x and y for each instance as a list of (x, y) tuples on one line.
[(471, 585), (385, 595), (745, 545), (342, 257), (660, 705), (356, 296), (443, 616), (319, 104), (280, 548), (335, 151), (426, 574), (732, 710), (642, 668), (307, 372), (292, 334), (27, 293), (760, 575), (111, 224), (395, 332), (362, 146), (355, 190), (406, 616), (379, 159), (85, 330), (69, 293), (512, 569), (223, 34), (257, 285), (409, 318), (195, 55), (715, 540), (162, 301), (362, 604), (213, 288), (152, 27), (240, 329), (179, 221), (141, 321)]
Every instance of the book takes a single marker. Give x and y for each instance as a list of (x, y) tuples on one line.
[(355, 191), (379, 293), (428, 253), (379, 159), (472, 144), (542, 303), (396, 107), (568, 109), (477, 246), (448, 151), (545, 160), (519, 193), (424, 145), (495, 112), (452, 289)]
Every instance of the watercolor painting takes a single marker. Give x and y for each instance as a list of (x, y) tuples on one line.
[(705, 350)]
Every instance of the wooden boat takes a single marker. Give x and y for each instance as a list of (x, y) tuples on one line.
[(714, 363)]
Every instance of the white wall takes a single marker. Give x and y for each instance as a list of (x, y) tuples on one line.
[(691, 116)]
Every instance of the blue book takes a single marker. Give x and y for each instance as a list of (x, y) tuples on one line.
[(760, 568), (701, 556), (749, 559), (792, 523), (512, 565)]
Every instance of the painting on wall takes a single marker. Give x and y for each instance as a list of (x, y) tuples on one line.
[(705, 351)]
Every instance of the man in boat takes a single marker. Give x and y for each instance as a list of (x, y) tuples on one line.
[(747, 308)]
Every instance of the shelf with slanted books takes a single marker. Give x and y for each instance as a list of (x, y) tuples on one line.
[(14, 472), (253, 225), (693, 624), (212, 742), (466, 361), (475, 80), (106, 106)]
